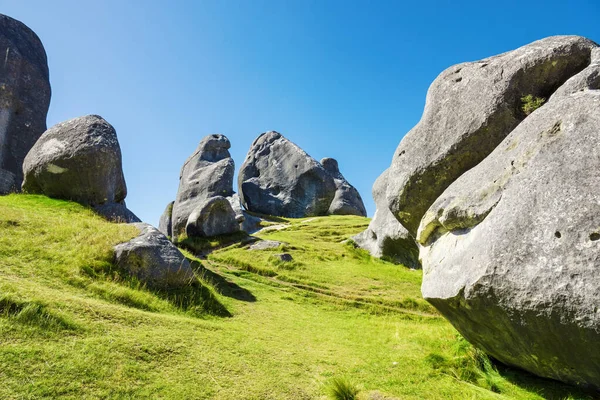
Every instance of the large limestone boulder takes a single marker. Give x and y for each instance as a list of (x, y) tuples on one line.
[(347, 200), (511, 250), (153, 260), (470, 109), (80, 160), (386, 237), (207, 173), (212, 217), (24, 98), (279, 178)]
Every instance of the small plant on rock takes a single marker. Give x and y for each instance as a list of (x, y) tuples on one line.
[(530, 103)]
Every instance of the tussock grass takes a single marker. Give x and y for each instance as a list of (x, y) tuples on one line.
[(340, 388), (73, 327)]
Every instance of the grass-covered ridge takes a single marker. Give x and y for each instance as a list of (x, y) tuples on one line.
[(255, 328)]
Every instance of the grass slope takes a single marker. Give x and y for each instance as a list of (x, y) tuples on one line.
[(256, 328)]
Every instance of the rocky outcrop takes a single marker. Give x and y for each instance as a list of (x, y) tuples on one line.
[(153, 260), (164, 223), (79, 160), (511, 249), (212, 217), (279, 178), (470, 109), (386, 237), (24, 98), (347, 200), (248, 222), (207, 173)]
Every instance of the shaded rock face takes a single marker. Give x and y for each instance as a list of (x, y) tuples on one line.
[(79, 160), (386, 237), (278, 178), (248, 222), (207, 173), (164, 223), (511, 249), (212, 217), (153, 260), (24, 98), (470, 109), (347, 200)]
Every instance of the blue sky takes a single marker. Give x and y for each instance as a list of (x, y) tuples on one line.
[(342, 79)]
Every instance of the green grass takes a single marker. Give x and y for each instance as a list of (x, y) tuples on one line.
[(250, 328)]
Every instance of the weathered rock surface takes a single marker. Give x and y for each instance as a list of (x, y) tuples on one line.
[(80, 160), (154, 260), (24, 98), (511, 250), (212, 217), (386, 237), (470, 109), (207, 173), (347, 200), (248, 222), (164, 223), (265, 245), (278, 178)]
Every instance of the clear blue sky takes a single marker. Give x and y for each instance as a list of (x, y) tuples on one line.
[(343, 79)]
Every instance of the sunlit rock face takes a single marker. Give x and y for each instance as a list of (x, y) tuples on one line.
[(24, 98), (207, 173), (80, 160), (470, 109), (511, 249), (279, 178)]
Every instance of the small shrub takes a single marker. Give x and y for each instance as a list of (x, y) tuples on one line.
[(341, 388), (531, 103)]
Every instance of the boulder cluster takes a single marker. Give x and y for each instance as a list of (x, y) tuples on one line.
[(495, 192), (277, 178), (498, 185)]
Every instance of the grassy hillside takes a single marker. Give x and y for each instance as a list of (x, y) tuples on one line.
[(255, 328)]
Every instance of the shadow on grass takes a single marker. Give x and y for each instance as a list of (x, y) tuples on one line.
[(120, 287), (222, 285), (547, 388), (202, 245)]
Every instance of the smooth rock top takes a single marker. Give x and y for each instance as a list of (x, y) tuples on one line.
[(470, 109), (24, 98), (386, 237), (207, 173), (278, 178), (511, 250), (78, 160), (347, 200)]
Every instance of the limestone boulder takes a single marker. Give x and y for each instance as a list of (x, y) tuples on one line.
[(24, 98), (279, 178), (347, 200), (79, 160), (164, 223), (386, 237), (153, 260), (511, 249), (207, 173), (212, 217), (470, 108)]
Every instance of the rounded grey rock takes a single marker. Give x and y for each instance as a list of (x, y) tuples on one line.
[(207, 173), (212, 217), (279, 178), (153, 260), (470, 109), (511, 249), (78, 160)]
